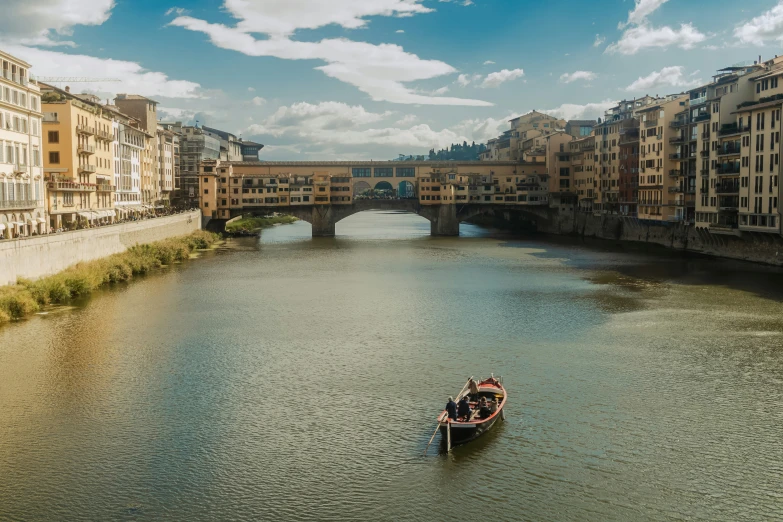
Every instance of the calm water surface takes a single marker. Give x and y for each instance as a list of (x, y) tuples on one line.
[(298, 379)]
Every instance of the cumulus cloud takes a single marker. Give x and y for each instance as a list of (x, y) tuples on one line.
[(495, 79), (258, 101), (489, 62), (134, 78), (179, 11), (44, 22), (336, 123), (766, 26), (407, 119), (673, 76), (573, 111), (642, 9), (599, 40), (381, 71), (578, 75), (399, 31), (642, 37)]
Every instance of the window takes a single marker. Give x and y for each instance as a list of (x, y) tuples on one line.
[(385, 172), (54, 158), (406, 172), (361, 172), (206, 191), (54, 136)]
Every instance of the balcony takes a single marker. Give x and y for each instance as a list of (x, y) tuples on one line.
[(732, 149), (19, 169), (675, 173), (86, 149), (71, 186), (732, 128), (705, 135), (698, 101), (105, 187), (87, 169), (727, 188), (728, 169), (704, 154), (651, 123), (677, 140), (675, 190), (6, 204), (701, 117), (704, 172), (704, 190), (677, 156), (676, 203), (50, 118), (679, 122), (83, 129), (103, 135)]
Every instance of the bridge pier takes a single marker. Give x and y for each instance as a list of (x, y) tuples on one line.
[(445, 221), (323, 221)]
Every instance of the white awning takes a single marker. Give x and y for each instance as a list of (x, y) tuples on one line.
[(41, 220), (86, 215), (20, 224), (2, 226)]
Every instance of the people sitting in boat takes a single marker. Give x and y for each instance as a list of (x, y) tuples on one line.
[(484, 411), (451, 408), (474, 389), (463, 408), (494, 405)]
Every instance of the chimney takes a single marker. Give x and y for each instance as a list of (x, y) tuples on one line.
[(67, 89)]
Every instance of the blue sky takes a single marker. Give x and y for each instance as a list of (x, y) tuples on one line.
[(370, 79)]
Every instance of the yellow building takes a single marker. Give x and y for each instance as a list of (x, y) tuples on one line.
[(582, 155), (78, 158)]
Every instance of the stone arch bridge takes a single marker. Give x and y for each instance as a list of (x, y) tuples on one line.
[(444, 218)]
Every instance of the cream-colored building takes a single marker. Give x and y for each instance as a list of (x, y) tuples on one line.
[(165, 163), (658, 156), (78, 136), (582, 155), (22, 210), (145, 111)]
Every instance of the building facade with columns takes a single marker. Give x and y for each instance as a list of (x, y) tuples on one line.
[(22, 211)]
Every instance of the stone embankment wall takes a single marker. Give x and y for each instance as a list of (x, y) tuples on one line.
[(36, 257), (750, 246)]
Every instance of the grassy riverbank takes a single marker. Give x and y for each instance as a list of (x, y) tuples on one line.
[(28, 297), (251, 224)]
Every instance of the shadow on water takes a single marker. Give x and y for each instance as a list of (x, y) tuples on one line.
[(475, 449)]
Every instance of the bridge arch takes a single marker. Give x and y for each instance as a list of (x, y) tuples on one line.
[(406, 190), (383, 185), (360, 187)]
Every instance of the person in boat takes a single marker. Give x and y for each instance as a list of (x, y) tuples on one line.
[(463, 408), (484, 411), (493, 406), (451, 408), (474, 389)]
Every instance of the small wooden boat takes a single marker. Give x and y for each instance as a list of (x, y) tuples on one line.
[(462, 430)]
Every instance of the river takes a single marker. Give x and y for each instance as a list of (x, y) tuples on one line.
[(291, 378)]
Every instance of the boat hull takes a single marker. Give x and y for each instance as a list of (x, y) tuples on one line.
[(462, 432)]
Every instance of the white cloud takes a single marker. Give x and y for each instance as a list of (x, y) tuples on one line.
[(399, 31), (642, 10), (258, 101), (176, 114), (495, 79), (588, 111), (336, 123), (134, 78), (42, 22), (599, 40), (381, 71), (642, 37), (464, 80), (489, 62), (442, 90), (407, 119), (578, 75), (766, 26), (251, 89), (673, 76)]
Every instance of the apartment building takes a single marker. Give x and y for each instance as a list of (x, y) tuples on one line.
[(165, 163), (629, 169), (145, 111), (557, 160), (658, 157), (22, 209), (195, 146), (608, 160), (514, 144), (128, 145), (582, 156), (78, 138)]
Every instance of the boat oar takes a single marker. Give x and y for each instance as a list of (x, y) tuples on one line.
[(438, 426)]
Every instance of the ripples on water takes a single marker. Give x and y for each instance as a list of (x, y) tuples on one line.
[(298, 379)]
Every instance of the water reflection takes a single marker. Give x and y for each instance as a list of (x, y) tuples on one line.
[(295, 378)]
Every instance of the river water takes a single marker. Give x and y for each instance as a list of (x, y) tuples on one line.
[(291, 378)]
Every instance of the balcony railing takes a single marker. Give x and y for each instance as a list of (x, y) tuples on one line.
[(729, 169), (9, 204), (677, 139), (675, 173), (732, 128), (705, 172), (676, 156), (84, 129), (651, 123), (680, 122), (87, 169), (50, 118), (705, 154), (705, 135), (698, 101), (704, 190), (19, 169), (675, 190), (729, 188), (701, 117), (71, 186), (676, 203), (86, 149), (730, 150), (105, 187), (103, 135)]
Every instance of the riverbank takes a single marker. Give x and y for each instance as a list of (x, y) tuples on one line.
[(253, 225), (28, 297)]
